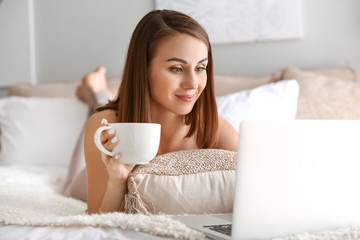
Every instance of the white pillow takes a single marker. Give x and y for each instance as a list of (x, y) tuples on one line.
[(40, 131), (274, 101)]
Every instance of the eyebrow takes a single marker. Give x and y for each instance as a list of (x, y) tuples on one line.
[(183, 61)]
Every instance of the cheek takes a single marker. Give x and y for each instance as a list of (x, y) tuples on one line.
[(153, 84), (202, 83), (160, 82), (155, 80), (163, 75)]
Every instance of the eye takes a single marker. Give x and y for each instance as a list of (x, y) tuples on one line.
[(200, 69), (176, 69)]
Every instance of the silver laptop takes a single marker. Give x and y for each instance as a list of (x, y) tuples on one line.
[(292, 177)]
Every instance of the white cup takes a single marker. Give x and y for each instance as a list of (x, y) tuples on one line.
[(138, 143)]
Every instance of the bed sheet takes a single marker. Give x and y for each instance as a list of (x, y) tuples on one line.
[(14, 232)]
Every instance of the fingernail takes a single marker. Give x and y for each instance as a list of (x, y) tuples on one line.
[(117, 156), (114, 139), (111, 131), (103, 121)]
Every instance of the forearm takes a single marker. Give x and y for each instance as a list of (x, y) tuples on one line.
[(114, 196)]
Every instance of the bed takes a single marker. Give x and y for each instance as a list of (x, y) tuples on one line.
[(39, 126)]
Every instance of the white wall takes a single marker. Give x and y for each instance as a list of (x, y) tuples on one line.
[(331, 38), (73, 37), (16, 42)]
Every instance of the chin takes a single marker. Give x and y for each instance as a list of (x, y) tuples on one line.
[(182, 111), (186, 112)]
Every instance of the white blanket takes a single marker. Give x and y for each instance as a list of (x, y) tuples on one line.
[(33, 199)]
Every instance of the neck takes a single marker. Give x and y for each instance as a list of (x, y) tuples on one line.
[(173, 132), (172, 125)]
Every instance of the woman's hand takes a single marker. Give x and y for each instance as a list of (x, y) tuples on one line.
[(116, 170)]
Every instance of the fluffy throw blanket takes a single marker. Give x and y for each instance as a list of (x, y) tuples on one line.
[(33, 199)]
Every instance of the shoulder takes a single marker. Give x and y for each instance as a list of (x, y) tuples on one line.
[(228, 136), (95, 120), (109, 115)]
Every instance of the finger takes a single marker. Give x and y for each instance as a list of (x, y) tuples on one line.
[(115, 159), (111, 143), (104, 122), (110, 161), (107, 135)]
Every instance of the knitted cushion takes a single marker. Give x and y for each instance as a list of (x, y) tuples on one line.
[(184, 182)]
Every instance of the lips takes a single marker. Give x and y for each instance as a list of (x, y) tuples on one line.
[(186, 98)]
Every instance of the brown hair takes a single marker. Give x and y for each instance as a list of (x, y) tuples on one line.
[(133, 100)]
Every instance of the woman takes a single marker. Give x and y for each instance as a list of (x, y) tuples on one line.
[(168, 79)]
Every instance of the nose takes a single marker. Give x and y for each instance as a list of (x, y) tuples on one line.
[(190, 81)]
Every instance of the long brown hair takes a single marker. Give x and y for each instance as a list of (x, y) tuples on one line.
[(133, 100)]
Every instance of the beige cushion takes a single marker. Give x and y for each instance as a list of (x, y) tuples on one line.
[(226, 83), (60, 89), (325, 95), (49, 89), (183, 182)]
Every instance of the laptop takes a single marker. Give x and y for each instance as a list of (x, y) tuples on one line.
[(293, 177)]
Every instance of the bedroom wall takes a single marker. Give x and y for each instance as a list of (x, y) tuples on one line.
[(73, 37)]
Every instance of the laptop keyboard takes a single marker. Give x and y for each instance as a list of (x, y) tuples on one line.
[(223, 228)]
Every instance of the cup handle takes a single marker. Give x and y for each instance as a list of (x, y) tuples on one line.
[(98, 142)]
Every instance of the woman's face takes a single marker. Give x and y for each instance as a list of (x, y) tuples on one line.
[(178, 74)]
